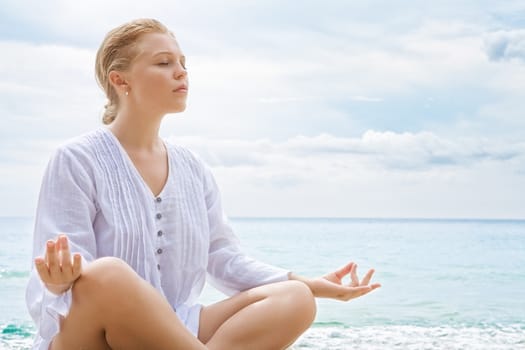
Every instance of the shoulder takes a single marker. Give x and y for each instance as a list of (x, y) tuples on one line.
[(82, 143), (79, 151)]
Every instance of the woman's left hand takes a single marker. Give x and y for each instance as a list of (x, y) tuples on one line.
[(331, 285)]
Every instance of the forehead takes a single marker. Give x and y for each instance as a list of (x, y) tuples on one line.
[(152, 43)]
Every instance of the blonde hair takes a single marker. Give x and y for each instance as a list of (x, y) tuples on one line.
[(117, 52)]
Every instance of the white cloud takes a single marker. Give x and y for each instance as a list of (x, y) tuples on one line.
[(378, 174), (291, 78), (506, 45), (46, 87), (421, 151), (366, 99), (261, 74)]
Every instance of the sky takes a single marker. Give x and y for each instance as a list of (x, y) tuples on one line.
[(380, 109)]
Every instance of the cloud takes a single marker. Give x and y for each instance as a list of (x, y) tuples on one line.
[(334, 78), (285, 99), (377, 174), (386, 101), (366, 99), (505, 45), (420, 151), (46, 87)]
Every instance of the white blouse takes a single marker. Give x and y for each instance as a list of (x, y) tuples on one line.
[(93, 193)]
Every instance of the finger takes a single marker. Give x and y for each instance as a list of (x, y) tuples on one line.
[(65, 255), (343, 271), (375, 286), (354, 292), (77, 265), (353, 276), (41, 268), (367, 278), (368, 289), (51, 257)]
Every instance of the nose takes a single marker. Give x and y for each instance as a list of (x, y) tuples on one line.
[(180, 72)]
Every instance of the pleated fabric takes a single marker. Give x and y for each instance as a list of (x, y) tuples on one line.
[(92, 192)]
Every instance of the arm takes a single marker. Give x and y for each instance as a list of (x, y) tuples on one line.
[(66, 206), (230, 269)]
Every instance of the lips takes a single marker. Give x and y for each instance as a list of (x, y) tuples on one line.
[(182, 88)]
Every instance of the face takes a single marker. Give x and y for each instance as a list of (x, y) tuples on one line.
[(157, 79)]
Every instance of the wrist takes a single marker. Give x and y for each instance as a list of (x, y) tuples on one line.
[(307, 281), (293, 277), (58, 289)]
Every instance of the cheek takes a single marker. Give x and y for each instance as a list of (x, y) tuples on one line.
[(153, 79), (153, 84)]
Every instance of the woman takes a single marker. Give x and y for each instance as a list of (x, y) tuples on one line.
[(145, 221)]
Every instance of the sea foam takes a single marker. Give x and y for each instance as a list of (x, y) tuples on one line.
[(412, 337)]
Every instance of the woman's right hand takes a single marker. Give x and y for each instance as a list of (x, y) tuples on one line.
[(57, 270)]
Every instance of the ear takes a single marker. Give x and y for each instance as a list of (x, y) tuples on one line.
[(119, 82)]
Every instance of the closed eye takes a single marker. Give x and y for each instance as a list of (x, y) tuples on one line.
[(168, 63)]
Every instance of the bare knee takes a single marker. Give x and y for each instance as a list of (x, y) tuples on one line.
[(301, 302), (104, 277), (108, 269)]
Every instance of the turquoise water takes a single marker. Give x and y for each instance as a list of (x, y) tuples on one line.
[(447, 284)]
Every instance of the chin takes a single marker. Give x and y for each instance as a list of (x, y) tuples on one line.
[(178, 109)]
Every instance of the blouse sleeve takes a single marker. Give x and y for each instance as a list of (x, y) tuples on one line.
[(230, 269), (66, 205)]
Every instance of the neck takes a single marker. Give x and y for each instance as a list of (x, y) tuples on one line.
[(137, 131)]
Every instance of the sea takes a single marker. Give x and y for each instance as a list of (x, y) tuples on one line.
[(446, 283)]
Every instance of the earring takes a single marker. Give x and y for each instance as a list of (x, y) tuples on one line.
[(127, 93)]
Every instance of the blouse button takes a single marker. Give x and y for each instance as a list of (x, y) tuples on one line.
[(160, 233), (158, 266), (158, 199), (159, 215), (159, 251)]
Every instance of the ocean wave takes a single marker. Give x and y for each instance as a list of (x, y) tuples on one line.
[(16, 336), (5, 274), (321, 337), (412, 337)]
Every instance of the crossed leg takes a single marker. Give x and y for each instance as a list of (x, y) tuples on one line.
[(113, 308), (266, 317)]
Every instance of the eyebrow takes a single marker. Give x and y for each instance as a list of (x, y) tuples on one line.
[(166, 53)]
